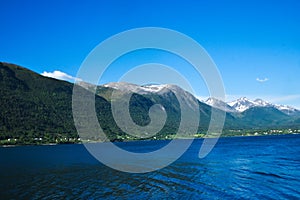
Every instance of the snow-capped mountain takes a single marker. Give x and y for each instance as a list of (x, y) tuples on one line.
[(216, 103), (163, 90), (242, 104), (262, 103), (144, 89), (286, 109)]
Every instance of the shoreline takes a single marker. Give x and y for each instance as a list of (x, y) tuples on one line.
[(54, 144)]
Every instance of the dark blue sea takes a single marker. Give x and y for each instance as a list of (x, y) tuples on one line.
[(266, 167)]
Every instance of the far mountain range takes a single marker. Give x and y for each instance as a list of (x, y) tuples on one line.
[(242, 104), (38, 109), (237, 106)]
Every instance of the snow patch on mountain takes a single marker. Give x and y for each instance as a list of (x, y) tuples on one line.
[(216, 103), (164, 89), (242, 104), (286, 109), (153, 88), (129, 87), (260, 102)]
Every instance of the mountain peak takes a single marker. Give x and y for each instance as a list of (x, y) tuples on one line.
[(260, 102), (241, 104), (243, 99), (214, 102), (142, 89)]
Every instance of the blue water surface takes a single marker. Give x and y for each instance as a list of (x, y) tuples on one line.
[(265, 167)]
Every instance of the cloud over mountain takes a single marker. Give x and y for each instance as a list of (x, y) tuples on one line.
[(60, 75)]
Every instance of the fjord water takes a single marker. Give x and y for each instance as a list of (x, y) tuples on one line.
[(238, 167)]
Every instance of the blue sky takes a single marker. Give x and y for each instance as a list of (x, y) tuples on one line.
[(255, 44)]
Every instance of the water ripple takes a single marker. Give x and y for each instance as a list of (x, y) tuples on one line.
[(238, 168)]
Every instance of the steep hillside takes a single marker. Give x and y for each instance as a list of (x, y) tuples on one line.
[(33, 106), (37, 109)]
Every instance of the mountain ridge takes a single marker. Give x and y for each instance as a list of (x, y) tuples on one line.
[(243, 103), (240, 105), (35, 107)]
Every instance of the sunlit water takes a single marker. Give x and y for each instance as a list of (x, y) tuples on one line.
[(239, 167)]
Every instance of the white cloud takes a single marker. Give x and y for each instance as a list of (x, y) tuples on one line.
[(262, 80), (60, 75)]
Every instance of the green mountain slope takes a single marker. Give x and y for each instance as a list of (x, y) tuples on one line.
[(37, 109), (265, 117), (33, 106)]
